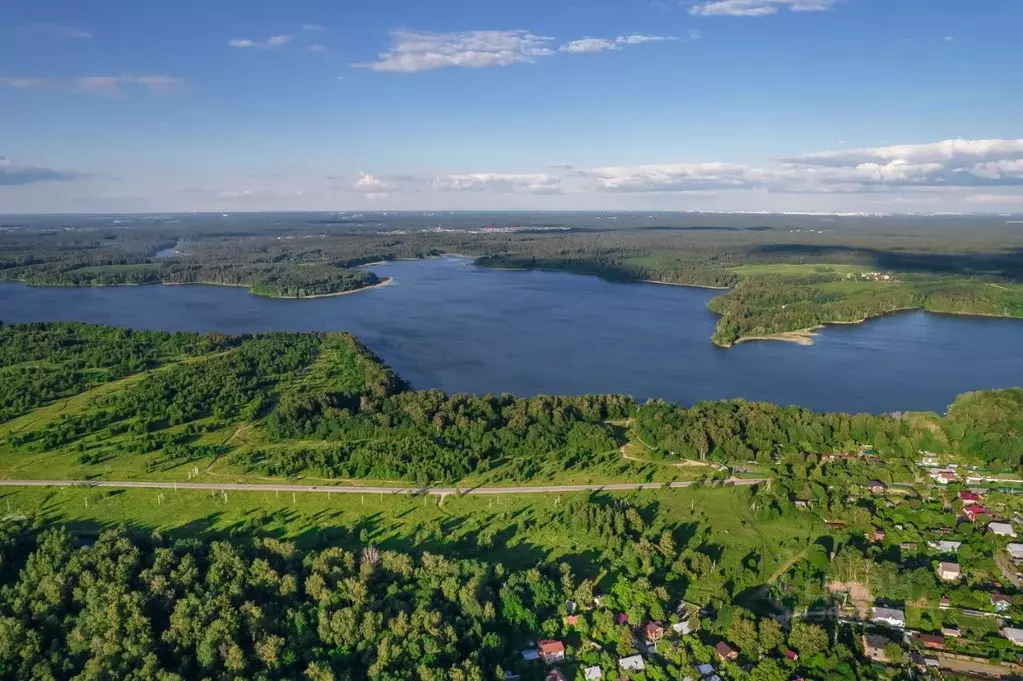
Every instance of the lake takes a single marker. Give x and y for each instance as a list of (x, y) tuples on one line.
[(444, 323)]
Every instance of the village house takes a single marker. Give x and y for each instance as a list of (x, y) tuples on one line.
[(1015, 550), (930, 640), (945, 546), (1001, 603), (944, 603), (969, 498), (683, 628), (944, 477), (706, 669), (877, 534), (555, 675), (592, 673), (551, 651), (908, 546), (876, 487), (949, 572), (633, 663), (1002, 529), (873, 647), (530, 654), (890, 616), (792, 655), (726, 652), (974, 511), (653, 632), (1014, 635), (929, 461), (951, 632)]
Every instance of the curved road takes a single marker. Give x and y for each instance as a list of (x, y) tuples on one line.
[(329, 489)]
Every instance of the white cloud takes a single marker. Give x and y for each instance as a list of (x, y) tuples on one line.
[(413, 51), (670, 177), (954, 150), (639, 38), (370, 184), (16, 174), (57, 30), (270, 43), (109, 86), (994, 199), (758, 8), (529, 183), (316, 48), (589, 46), (940, 166), (313, 27), (949, 39), (592, 45)]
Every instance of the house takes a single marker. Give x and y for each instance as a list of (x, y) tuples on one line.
[(908, 546), (1014, 635), (598, 601), (555, 675), (873, 647), (951, 632), (944, 603), (930, 640), (890, 616), (726, 652), (1001, 603), (1002, 529), (876, 487), (944, 477), (802, 505), (653, 631), (632, 664), (969, 498), (949, 572), (877, 534), (530, 654), (622, 618), (1015, 550), (932, 662), (792, 655), (592, 673), (705, 669), (945, 546), (571, 620), (929, 461), (974, 511), (682, 628), (509, 675), (551, 651)]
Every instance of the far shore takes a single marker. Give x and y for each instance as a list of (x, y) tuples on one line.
[(382, 282), (672, 283)]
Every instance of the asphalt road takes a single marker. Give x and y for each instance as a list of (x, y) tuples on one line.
[(330, 489)]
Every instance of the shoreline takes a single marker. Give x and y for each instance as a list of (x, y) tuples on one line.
[(672, 283), (383, 282)]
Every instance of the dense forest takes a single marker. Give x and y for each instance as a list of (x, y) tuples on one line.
[(323, 404)]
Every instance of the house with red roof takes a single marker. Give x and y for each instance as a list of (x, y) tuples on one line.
[(551, 651), (726, 652)]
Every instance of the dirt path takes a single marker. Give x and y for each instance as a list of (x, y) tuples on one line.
[(346, 489), (786, 566)]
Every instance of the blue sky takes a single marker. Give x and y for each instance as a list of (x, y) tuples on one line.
[(788, 105)]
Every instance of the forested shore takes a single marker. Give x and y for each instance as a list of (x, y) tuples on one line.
[(779, 279)]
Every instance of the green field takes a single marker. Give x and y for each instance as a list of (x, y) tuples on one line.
[(516, 530)]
